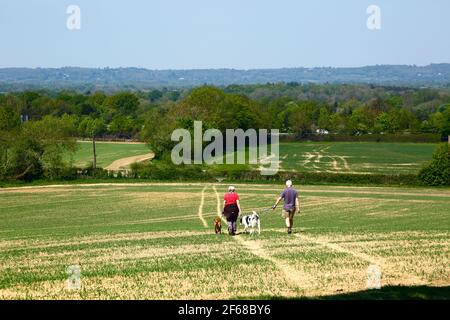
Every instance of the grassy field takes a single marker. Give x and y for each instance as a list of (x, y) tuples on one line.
[(334, 157), (149, 241), (107, 152), (355, 157)]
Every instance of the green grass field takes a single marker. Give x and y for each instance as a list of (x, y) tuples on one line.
[(355, 157), (333, 157), (107, 152), (156, 241)]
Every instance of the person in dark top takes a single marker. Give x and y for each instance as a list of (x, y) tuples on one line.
[(291, 205), (231, 209)]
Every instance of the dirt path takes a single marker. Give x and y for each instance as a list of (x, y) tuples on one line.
[(125, 162), (200, 209)]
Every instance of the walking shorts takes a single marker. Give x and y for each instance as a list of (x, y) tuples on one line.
[(288, 213)]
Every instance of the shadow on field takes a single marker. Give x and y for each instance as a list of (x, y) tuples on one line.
[(395, 293), (385, 293)]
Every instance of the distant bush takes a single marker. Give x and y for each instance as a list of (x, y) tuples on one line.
[(323, 177), (160, 170), (231, 171), (165, 170), (437, 172), (61, 173), (97, 173)]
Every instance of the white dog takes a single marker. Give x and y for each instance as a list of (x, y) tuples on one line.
[(251, 222)]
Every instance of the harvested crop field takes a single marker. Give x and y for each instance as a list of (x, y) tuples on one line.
[(356, 158), (156, 241)]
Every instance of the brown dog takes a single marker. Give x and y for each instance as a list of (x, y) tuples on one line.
[(218, 225)]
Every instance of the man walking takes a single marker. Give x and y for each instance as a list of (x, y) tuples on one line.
[(291, 205)]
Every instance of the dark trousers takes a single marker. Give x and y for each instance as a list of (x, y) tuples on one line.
[(231, 213), (232, 226)]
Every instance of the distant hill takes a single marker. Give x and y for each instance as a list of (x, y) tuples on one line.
[(436, 75)]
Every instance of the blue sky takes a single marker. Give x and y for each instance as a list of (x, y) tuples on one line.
[(243, 34)]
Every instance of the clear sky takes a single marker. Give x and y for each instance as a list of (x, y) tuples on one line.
[(243, 34)]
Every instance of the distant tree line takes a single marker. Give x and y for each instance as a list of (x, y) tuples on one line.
[(37, 127), (291, 107), (115, 79)]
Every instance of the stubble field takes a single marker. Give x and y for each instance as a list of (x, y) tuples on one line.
[(156, 241), (355, 157)]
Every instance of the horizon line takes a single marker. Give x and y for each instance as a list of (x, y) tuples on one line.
[(230, 68)]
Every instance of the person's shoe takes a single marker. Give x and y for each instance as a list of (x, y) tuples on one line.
[(289, 230)]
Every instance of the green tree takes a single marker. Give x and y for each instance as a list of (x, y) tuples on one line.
[(446, 127), (337, 123), (155, 95), (201, 104), (123, 126), (382, 123), (237, 111), (92, 128), (359, 121), (157, 131), (437, 172), (299, 118), (124, 103), (38, 149), (437, 122), (324, 119), (9, 129)]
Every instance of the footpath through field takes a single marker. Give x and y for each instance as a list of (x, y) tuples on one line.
[(126, 162)]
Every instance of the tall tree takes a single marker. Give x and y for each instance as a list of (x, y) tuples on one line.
[(92, 128)]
